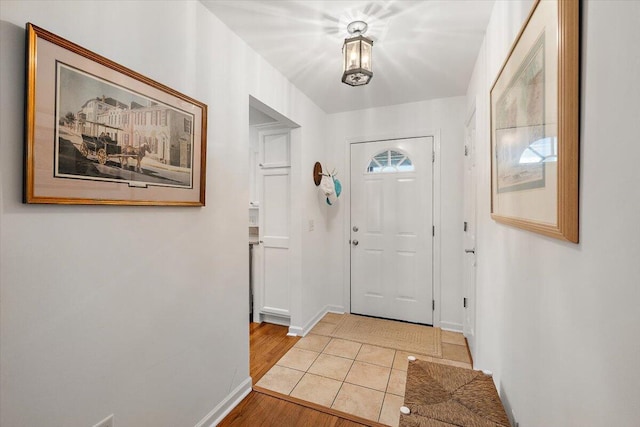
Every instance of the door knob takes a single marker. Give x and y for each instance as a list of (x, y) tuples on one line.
[(469, 251), (355, 243), (355, 228)]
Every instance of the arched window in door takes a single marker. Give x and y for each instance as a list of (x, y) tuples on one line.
[(390, 161)]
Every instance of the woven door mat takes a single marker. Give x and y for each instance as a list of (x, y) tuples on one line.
[(441, 396), (402, 336)]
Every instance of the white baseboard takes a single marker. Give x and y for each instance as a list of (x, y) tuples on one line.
[(450, 326), (218, 413), (303, 331), (295, 331), (275, 319)]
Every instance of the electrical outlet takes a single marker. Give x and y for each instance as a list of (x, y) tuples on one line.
[(107, 422)]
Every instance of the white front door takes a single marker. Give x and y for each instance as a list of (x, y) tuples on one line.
[(391, 229), (469, 233)]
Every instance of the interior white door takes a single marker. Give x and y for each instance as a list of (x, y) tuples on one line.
[(469, 232), (391, 229), (274, 229)]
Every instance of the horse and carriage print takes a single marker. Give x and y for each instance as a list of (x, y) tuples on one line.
[(108, 133)]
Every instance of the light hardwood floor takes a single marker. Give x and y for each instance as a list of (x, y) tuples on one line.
[(268, 343)]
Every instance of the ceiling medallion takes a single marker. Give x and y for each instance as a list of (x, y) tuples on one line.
[(356, 56)]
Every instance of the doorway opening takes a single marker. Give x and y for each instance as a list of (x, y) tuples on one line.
[(270, 211)]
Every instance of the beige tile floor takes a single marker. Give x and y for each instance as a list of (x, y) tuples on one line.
[(360, 379)]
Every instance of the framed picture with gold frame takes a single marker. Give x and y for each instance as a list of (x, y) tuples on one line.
[(100, 133), (535, 124)]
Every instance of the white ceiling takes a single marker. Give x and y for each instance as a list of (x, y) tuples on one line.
[(422, 49)]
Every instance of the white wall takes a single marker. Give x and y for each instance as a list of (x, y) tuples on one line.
[(137, 311), (558, 323), (445, 118), (316, 296)]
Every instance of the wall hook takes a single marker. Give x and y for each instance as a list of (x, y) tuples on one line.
[(317, 173)]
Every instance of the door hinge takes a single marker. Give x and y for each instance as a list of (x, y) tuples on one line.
[(433, 230), (433, 305), (464, 302), (433, 157), (466, 150), (465, 226)]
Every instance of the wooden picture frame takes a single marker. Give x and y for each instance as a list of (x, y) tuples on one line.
[(100, 133), (535, 125)]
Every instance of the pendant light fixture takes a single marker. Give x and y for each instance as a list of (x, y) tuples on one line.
[(356, 56)]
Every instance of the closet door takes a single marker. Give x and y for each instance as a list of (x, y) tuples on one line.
[(275, 210)]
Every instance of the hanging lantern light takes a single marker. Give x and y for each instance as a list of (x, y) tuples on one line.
[(356, 56)]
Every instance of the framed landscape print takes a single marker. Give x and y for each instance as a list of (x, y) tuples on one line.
[(99, 133), (534, 125)]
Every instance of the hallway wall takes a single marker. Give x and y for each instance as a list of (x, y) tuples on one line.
[(137, 311), (557, 322)]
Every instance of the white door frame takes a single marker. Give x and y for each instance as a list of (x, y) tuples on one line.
[(295, 238), (346, 188), (471, 291)]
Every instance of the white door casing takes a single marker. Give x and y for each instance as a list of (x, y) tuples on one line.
[(469, 243), (391, 230), (274, 188)]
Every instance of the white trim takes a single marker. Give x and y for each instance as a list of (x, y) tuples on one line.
[(473, 153), (346, 227), (296, 210), (281, 312), (451, 326), (422, 133), (295, 331), (303, 331), (280, 119), (276, 319), (108, 421), (437, 249), (437, 184), (218, 413), (471, 112)]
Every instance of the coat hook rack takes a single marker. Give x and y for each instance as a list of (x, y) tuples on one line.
[(317, 173)]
